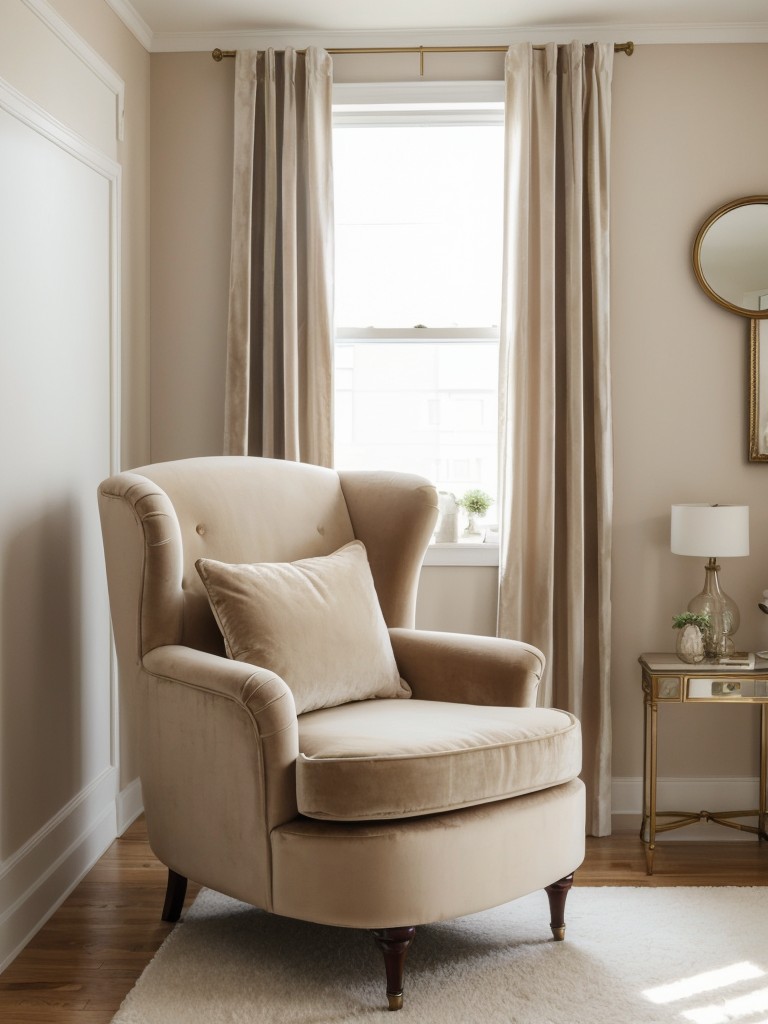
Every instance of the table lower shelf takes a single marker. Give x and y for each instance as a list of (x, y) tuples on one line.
[(683, 818)]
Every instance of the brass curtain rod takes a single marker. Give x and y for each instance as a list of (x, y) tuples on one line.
[(218, 55)]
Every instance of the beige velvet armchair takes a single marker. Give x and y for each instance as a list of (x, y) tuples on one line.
[(441, 791)]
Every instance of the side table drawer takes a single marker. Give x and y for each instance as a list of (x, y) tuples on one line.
[(731, 688)]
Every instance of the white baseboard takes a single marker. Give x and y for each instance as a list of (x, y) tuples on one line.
[(129, 805), (39, 876), (687, 794)]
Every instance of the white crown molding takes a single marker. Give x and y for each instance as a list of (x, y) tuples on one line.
[(178, 42), (92, 60), (722, 32), (133, 21)]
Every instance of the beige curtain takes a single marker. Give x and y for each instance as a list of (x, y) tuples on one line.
[(279, 390), (555, 410)]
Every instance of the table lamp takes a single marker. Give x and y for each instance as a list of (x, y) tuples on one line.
[(712, 531)]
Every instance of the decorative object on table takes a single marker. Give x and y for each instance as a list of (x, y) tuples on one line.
[(692, 628), (712, 531), (475, 503), (448, 526)]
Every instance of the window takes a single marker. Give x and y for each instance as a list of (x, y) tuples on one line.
[(418, 206)]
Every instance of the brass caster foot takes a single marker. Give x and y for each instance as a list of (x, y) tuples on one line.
[(557, 893), (395, 1000)]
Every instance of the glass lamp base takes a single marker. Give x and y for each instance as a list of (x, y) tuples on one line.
[(722, 611)]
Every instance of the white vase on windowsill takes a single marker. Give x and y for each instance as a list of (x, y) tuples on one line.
[(448, 526), (471, 528)]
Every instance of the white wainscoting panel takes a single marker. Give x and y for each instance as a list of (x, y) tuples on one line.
[(59, 426)]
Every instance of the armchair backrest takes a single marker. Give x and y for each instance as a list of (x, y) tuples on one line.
[(158, 520)]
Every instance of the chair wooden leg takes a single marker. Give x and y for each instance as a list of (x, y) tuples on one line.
[(557, 893), (394, 943), (174, 896)]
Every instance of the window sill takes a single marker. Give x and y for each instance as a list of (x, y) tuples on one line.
[(462, 553)]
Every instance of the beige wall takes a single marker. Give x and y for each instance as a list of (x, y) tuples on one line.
[(458, 598), (686, 137), (191, 212)]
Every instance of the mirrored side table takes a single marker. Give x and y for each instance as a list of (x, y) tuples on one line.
[(668, 680)]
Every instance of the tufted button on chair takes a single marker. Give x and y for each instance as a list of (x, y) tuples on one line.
[(301, 746)]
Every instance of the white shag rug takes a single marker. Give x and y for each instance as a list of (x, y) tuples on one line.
[(631, 956)]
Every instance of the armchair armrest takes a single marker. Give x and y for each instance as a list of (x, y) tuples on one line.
[(264, 693), (218, 747), (464, 669)]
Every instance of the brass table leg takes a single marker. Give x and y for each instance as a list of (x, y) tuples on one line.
[(761, 821), (645, 770), (652, 768)]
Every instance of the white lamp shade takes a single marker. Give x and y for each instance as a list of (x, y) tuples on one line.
[(711, 531)]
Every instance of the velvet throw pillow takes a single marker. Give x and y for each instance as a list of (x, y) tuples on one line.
[(316, 622)]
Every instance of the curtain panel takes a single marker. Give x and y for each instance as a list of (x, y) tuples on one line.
[(279, 386), (554, 386)]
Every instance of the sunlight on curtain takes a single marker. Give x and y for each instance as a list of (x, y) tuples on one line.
[(554, 386)]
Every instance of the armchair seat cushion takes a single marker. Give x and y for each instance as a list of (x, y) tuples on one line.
[(388, 759)]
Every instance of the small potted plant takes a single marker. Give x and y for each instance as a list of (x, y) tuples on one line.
[(475, 503), (690, 640)]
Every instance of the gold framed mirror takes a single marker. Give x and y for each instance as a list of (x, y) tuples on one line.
[(758, 391), (730, 256)]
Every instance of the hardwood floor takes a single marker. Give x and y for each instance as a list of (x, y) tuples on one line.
[(620, 860), (82, 963)]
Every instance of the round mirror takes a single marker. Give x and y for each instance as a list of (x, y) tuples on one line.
[(730, 256)]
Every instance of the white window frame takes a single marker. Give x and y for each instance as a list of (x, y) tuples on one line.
[(456, 103)]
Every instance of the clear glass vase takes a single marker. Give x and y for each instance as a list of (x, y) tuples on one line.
[(689, 645)]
